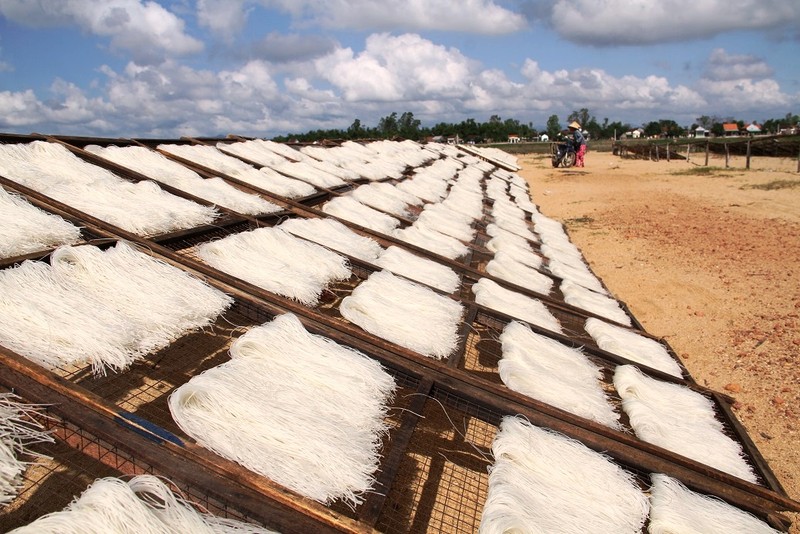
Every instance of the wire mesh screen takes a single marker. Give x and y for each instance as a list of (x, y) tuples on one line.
[(74, 461), (443, 478)]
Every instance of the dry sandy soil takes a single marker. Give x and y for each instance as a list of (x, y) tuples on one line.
[(710, 261)]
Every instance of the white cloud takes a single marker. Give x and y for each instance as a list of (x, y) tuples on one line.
[(472, 16), (746, 97), (145, 30), (225, 18), (724, 66), (626, 22), (397, 68), (285, 48), (392, 73), (595, 89)]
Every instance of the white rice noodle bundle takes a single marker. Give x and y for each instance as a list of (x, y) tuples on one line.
[(464, 202), (158, 167), (425, 186), (339, 155), (357, 147), (675, 508), (576, 272), (264, 178), (515, 247), (552, 227), (376, 196), (506, 209), (110, 308), (440, 170), (319, 153), (448, 207), (513, 225), (602, 305), (474, 174), (683, 421), (526, 204), (632, 346), (142, 504), (256, 151), (428, 238), (277, 261), (501, 238), (405, 313), (277, 183), (279, 148), (33, 302), (542, 481), (311, 173), (295, 407), (334, 235), (490, 294), (327, 167), (561, 249), (350, 209), (496, 189), (400, 261), (504, 266), (24, 228), (376, 170), (393, 191), (19, 431), (551, 372), (447, 221), (141, 208), (495, 230), (160, 302)]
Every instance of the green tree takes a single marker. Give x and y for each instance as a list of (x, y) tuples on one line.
[(595, 130), (493, 130), (652, 129), (408, 127), (582, 117), (615, 128), (387, 126), (553, 126), (356, 131)]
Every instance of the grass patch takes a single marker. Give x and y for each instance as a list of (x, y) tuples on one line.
[(579, 221), (774, 185), (699, 171)]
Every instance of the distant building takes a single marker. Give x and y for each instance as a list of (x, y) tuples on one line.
[(730, 129), (753, 129), (514, 138), (702, 132)]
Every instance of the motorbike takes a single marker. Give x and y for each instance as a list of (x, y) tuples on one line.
[(564, 153)]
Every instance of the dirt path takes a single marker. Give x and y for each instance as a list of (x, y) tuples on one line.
[(710, 262)]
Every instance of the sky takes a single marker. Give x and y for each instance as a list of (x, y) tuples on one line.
[(141, 68)]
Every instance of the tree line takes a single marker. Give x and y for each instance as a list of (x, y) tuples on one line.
[(498, 130)]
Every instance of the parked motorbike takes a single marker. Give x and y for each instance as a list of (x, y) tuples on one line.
[(564, 153)]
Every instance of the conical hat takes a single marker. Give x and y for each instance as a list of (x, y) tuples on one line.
[(574, 124)]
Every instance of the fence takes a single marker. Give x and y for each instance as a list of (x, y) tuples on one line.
[(687, 148)]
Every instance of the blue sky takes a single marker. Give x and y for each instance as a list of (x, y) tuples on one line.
[(125, 68)]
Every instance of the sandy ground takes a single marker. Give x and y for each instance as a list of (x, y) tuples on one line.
[(709, 262)]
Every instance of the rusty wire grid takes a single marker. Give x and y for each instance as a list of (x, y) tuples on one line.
[(443, 478), (76, 459)]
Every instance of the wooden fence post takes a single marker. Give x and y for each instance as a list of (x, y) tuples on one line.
[(747, 164), (727, 155), (667, 151), (688, 151), (707, 143)]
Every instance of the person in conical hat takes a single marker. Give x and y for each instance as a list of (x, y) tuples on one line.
[(580, 142)]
